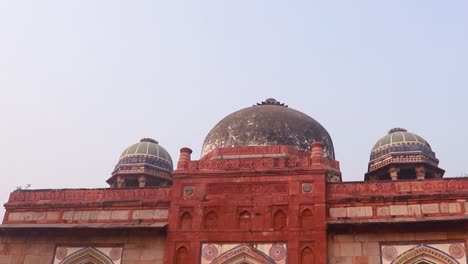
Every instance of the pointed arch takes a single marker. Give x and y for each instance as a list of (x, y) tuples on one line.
[(424, 253), (307, 218), (245, 219), (182, 256), (307, 256), (87, 255), (243, 254), (280, 220), (185, 222), (211, 220)]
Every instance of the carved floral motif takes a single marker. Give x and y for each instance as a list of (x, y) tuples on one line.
[(372, 188), (246, 188), (88, 195)]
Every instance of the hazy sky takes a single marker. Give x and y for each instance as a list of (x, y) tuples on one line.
[(82, 80)]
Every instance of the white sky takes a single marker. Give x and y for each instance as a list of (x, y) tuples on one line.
[(82, 80)]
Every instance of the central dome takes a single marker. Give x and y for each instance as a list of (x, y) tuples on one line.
[(265, 124)]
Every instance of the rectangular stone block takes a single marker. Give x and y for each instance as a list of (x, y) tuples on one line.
[(430, 208), (93, 215), (344, 238), (67, 215), (334, 249), (383, 211), (370, 249), (350, 249), (160, 214), (360, 260), (27, 216), (351, 212), (104, 215), (364, 211), (374, 260), (142, 214), (444, 208), (52, 215), (398, 210), (414, 209), (119, 215), (454, 208), (338, 212), (77, 215), (85, 215)]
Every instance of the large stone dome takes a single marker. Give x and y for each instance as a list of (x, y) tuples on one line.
[(265, 124)]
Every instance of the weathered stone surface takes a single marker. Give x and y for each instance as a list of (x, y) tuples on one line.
[(350, 249), (414, 209), (430, 208), (454, 208), (383, 210), (398, 209), (370, 249), (104, 215), (338, 212), (119, 215)]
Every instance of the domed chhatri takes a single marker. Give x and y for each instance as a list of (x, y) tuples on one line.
[(265, 124), (402, 155), (145, 163)]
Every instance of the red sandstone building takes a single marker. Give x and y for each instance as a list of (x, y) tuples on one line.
[(267, 189)]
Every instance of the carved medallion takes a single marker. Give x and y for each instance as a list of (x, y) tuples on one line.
[(277, 252), (209, 252), (61, 253), (115, 254), (389, 253), (306, 187), (457, 251), (188, 190)]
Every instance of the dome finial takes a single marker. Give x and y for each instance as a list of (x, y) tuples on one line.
[(397, 129), (149, 140), (272, 101)]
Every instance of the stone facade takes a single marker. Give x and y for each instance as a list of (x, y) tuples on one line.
[(245, 204)]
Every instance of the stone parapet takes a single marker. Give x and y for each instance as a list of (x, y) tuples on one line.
[(397, 201)]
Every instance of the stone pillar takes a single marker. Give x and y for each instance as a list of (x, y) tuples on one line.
[(394, 173), (420, 172), (141, 181), (120, 181), (184, 158), (316, 154)]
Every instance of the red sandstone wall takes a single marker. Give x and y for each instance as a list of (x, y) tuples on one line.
[(364, 246), (38, 247)]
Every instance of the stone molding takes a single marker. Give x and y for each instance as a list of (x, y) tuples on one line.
[(86, 195), (392, 188)]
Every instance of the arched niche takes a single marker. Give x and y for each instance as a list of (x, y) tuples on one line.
[(182, 256), (211, 220), (87, 256), (424, 254), (279, 220), (245, 220), (307, 218), (307, 256), (185, 222)]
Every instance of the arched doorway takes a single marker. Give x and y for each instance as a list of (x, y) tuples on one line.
[(424, 254), (87, 256), (243, 254)]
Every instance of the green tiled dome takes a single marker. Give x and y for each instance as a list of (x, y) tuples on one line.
[(399, 140), (399, 135), (147, 151)]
